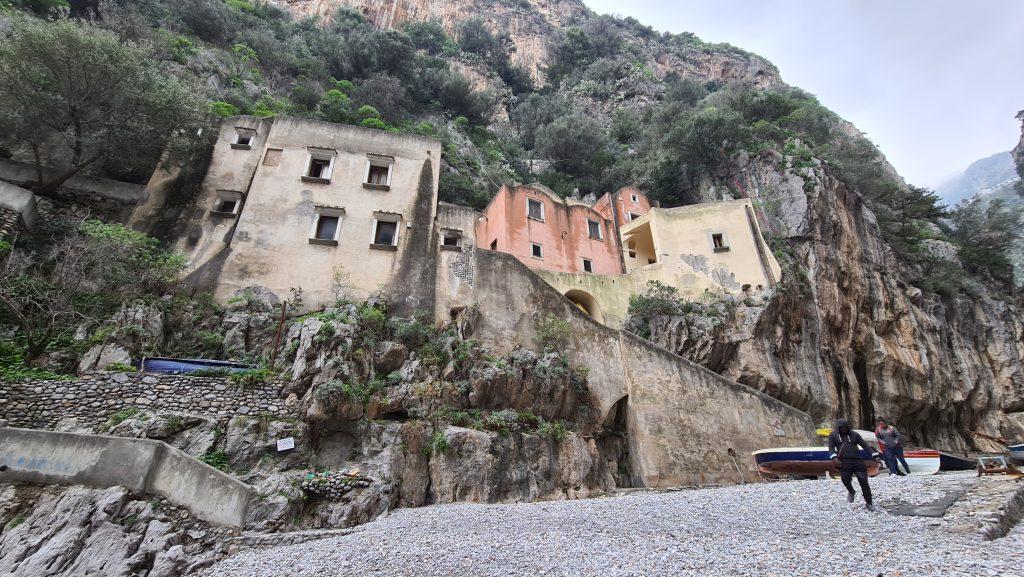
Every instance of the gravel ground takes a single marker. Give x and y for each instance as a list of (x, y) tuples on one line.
[(781, 529)]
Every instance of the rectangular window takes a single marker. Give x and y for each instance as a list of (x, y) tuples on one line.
[(635, 199), (243, 139), (320, 165), (387, 233), (378, 175), (594, 229), (536, 250), (719, 243), (451, 238), (494, 244), (588, 265), (326, 226), (632, 254), (227, 204), (632, 216), (319, 168), (535, 209)]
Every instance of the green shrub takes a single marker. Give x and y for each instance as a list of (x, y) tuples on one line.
[(175, 423), (438, 443), (251, 377), (14, 522), (553, 333), (121, 416), (215, 458), (374, 123), (120, 368), (223, 109)]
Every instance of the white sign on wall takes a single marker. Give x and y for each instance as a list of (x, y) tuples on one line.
[(286, 444)]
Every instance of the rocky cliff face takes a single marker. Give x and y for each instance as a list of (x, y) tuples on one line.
[(844, 334), (531, 24)]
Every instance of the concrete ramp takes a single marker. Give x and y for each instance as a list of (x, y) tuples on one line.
[(143, 466)]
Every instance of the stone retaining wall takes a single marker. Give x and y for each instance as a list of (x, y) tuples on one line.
[(93, 397)]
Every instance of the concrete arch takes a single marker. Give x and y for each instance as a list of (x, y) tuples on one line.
[(586, 303)]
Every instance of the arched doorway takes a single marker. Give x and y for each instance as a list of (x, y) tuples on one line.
[(586, 303)]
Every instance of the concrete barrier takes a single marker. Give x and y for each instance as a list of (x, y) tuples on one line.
[(20, 173), (143, 466)]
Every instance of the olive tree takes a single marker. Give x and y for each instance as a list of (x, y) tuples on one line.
[(75, 95)]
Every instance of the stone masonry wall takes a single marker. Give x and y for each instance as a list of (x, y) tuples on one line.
[(93, 397)]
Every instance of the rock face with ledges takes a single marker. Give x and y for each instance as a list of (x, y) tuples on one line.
[(846, 336), (532, 24)]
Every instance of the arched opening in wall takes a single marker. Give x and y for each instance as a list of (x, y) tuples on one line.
[(586, 303), (613, 444)]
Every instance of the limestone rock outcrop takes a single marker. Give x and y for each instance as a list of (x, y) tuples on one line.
[(532, 25), (846, 335)]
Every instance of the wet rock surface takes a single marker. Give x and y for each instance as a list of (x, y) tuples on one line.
[(786, 528)]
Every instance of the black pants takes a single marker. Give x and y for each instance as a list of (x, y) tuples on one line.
[(849, 468)]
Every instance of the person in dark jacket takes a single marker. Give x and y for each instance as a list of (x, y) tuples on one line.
[(891, 442), (844, 444)]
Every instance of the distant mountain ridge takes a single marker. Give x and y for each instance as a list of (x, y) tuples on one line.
[(995, 174)]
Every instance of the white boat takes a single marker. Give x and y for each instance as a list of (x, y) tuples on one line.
[(922, 461)]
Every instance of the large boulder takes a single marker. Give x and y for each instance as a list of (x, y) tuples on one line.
[(99, 357)]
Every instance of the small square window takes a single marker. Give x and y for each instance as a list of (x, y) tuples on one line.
[(452, 238), (651, 261), (632, 216), (718, 242), (494, 244), (536, 250), (635, 199), (594, 229), (319, 168), (243, 139), (535, 209), (588, 265), (386, 233), (227, 204), (326, 227), (378, 175), (632, 254)]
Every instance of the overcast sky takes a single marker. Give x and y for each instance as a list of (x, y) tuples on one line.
[(934, 83)]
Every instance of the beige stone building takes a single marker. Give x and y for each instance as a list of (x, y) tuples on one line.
[(293, 203)]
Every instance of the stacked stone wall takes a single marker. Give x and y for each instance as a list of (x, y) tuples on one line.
[(92, 398)]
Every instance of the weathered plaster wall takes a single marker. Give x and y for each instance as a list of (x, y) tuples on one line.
[(270, 245), (90, 399), (682, 241), (610, 293), (563, 234), (197, 235), (682, 419), (143, 466)]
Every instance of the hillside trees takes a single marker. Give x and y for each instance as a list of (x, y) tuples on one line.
[(82, 274), (986, 234), (76, 96)]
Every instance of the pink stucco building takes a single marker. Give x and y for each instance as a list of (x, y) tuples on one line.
[(547, 232)]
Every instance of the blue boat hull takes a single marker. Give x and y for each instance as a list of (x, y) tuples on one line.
[(163, 365), (804, 462)]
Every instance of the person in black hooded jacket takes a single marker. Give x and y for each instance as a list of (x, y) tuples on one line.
[(844, 444)]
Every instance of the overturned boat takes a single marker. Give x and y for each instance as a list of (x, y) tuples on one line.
[(803, 462)]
